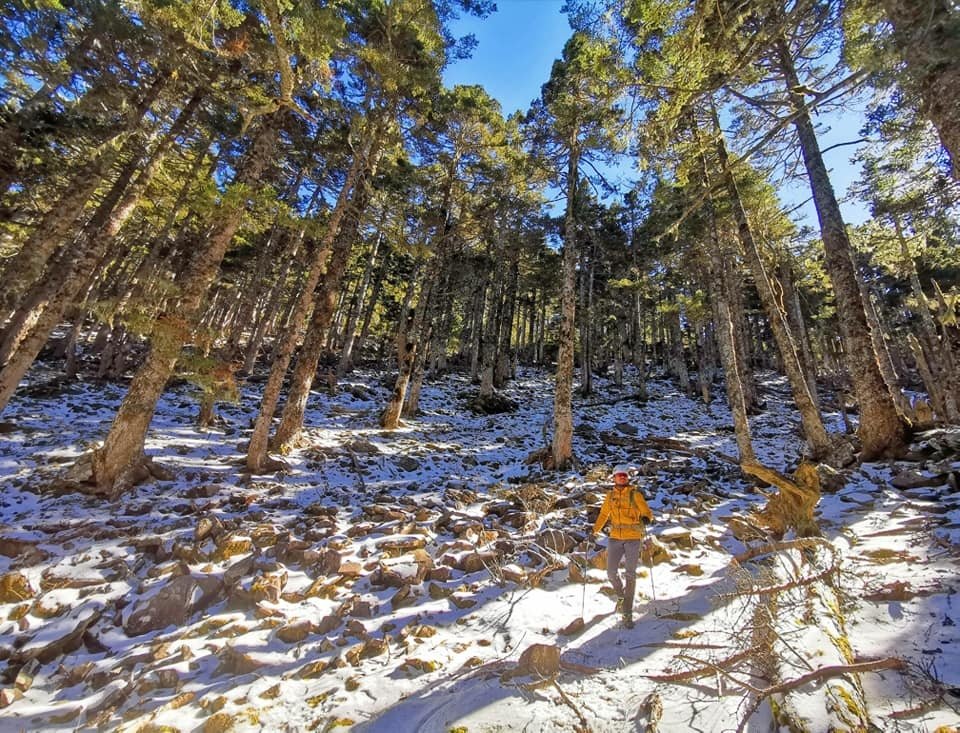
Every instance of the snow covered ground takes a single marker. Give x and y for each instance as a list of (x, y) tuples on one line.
[(390, 581)]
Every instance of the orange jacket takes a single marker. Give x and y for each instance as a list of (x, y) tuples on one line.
[(625, 508)]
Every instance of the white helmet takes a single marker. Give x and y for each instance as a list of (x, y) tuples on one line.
[(621, 468)]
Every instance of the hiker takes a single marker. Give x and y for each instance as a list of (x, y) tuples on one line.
[(627, 511)]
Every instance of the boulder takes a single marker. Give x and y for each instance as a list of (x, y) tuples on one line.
[(60, 636), (556, 540), (268, 587), (678, 536), (174, 604)]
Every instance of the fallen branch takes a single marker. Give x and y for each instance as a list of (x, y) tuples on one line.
[(692, 674), (802, 543), (817, 675)]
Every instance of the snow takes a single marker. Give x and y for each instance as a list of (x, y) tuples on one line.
[(437, 659)]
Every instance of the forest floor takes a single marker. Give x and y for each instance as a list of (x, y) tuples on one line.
[(391, 581)]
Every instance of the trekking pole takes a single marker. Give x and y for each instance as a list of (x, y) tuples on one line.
[(583, 578), (653, 588)]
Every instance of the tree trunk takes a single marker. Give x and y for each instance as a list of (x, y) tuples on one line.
[(406, 348), (938, 361), (283, 351), (882, 429), (715, 264), (813, 429), (291, 421), (23, 270), (350, 331), (794, 313), (562, 448), (925, 33), (44, 306), (119, 463)]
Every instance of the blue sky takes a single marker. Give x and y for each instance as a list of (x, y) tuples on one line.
[(516, 47)]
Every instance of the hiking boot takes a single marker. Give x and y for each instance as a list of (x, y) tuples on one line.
[(628, 620)]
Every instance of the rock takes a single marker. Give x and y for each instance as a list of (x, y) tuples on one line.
[(474, 562), (654, 553), (232, 545), (207, 527), (9, 696), (218, 723), (514, 574), (26, 552), (363, 609), (296, 632), (403, 597), (234, 662), (268, 587), (327, 562), (574, 627), (408, 464), (363, 447), (24, 679), (174, 603), (350, 569), (60, 636), (373, 648), (627, 428), (541, 660), (328, 624), (678, 536), (402, 543), (556, 540), (14, 587), (240, 569), (910, 479), (437, 591), (598, 561)]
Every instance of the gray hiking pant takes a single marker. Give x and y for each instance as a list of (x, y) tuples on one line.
[(629, 552)]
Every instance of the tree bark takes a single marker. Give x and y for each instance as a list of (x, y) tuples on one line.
[(813, 429), (283, 352), (119, 462), (727, 344), (350, 330), (562, 447), (291, 420), (882, 429)]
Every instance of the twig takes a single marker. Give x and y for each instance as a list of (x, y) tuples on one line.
[(566, 699), (692, 674)]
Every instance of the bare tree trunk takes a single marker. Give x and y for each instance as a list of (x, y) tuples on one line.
[(882, 429), (48, 302), (283, 352), (373, 301), (407, 345), (939, 355), (813, 429), (119, 463), (350, 331), (727, 345), (794, 313), (504, 360), (308, 358), (562, 448)]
